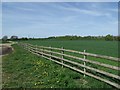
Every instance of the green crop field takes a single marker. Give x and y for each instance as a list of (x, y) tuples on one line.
[(23, 69), (109, 48)]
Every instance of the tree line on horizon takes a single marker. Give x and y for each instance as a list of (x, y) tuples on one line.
[(67, 37)]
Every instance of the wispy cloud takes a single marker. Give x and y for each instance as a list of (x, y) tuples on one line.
[(45, 19), (114, 10), (89, 12), (92, 11), (25, 9)]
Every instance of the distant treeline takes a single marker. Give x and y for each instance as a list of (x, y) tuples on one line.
[(68, 37), (107, 38)]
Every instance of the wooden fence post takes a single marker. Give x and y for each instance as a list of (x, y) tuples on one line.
[(36, 48), (50, 52), (84, 62), (29, 47), (25, 46), (62, 55), (42, 52)]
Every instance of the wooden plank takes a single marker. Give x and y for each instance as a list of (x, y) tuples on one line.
[(62, 52), (109, 82), (51, 50), (87, 60), (84, 62), (88, 54), (95, 55), (90, 68), (93, 62)]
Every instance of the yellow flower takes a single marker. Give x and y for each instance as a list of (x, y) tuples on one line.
[(35, 83), (39, 63), (36, 68), (57, 81), (45, 73)]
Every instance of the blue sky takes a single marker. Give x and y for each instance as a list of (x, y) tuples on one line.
[(46, 19)]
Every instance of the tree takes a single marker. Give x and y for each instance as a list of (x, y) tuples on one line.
[(109, 37), (24, 38), (4, 39), (14, 37), (118, 38)]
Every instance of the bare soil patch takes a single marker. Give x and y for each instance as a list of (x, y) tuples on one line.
[(4, 49)]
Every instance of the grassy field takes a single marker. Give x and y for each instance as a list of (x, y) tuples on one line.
[(109, 48), (22, 69)]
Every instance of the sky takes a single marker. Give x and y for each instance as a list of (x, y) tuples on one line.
[(45, 19)]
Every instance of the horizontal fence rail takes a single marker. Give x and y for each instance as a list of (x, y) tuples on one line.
[(83, 53), (65, 60)]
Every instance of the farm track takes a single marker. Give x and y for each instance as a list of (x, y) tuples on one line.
[(6, 48)]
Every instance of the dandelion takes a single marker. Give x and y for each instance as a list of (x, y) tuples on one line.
[(38, 63), (42, 82), (39, 82), (42, 64), (46, 65), (45, 73), (8, 77), (36, 68), (35, 83)]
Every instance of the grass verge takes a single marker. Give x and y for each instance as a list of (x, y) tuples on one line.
[(23, 69)]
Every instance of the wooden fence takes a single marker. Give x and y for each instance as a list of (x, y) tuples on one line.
[(79, 64)]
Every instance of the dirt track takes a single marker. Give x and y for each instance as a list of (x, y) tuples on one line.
[(6, 48)]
